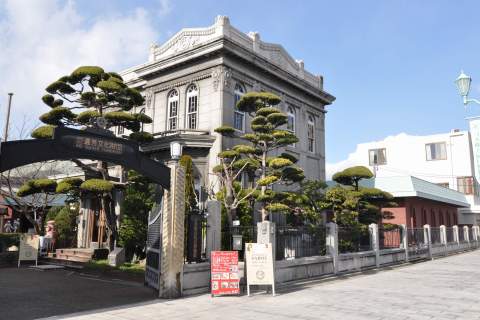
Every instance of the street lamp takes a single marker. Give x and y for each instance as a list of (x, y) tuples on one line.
[(463, 84), (175, 150)]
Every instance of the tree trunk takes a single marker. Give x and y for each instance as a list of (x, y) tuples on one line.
[(264, 188)]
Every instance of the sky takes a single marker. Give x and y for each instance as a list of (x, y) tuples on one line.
[(390, 64)]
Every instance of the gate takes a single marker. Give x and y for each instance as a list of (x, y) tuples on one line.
[(154, 246), (417, 244)]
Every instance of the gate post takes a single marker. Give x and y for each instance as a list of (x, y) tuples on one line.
[(466, 235), (173, 235), (214, 231), (332, 244), (374, 240)]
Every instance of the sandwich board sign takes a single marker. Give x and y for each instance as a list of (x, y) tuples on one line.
[(224, 273), (28, 250), (259, 260)]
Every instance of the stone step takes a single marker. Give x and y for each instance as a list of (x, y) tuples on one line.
[(87, 254), (73, 258)]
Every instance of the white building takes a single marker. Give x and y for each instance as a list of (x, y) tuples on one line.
[(445, 159)]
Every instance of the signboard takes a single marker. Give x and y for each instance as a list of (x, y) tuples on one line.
[(474, 124), (258, 257), (28, 249), (224, 273)]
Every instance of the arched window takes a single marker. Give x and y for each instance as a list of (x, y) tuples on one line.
[(311, 133), (172, 112), (192, 107), (238, 116)]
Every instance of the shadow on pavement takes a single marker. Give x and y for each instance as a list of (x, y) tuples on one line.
[(30, 294)]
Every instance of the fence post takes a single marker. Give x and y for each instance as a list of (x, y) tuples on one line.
[(443, 237), (374, 240), (475, 233), (403, 229), (332, 244), (214, 227), (466, 235), (455, 235), (427, 236)]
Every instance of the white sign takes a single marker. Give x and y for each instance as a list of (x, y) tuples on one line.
[(28, 249), (258, 257)]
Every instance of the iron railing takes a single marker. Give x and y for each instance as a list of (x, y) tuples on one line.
[(298, 242), (195, 238), (389, 237), (415, 237), (353, 239), (470, 234), (248, 233), (435, 235), (461, 235), (450, 237)]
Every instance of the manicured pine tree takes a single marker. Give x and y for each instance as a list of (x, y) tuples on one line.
[(257, 157), (92, 98)]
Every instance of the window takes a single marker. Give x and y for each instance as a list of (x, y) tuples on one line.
[(192, 107), (465, 185), (291, 122), (424, 217), (120, 130), (441, 222), (238, 116), (443, 184), (436, 151), (449, 221), (377, 156), (311, 133), (172, 111), (413, 218)]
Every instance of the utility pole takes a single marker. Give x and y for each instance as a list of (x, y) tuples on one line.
[(7, 120)]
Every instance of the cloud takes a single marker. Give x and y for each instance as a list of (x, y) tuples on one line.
[(165, 7), (43, 40)]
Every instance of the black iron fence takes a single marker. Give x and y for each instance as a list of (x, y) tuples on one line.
[(416, 237), (195, 238), (450, 237), (435, 235), (389, 237), (247, 233), (353, 239), (470, 234), (461, 235), (298, 242)]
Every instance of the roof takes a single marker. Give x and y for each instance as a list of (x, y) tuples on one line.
[(410, 186), (188, 40)]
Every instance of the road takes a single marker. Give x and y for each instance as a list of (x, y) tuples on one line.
[(446, 288)]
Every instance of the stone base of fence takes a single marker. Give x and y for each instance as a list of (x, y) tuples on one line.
[(196, 277)]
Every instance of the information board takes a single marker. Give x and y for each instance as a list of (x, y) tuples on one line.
[(259, 262), (224, 273), (28, 249)]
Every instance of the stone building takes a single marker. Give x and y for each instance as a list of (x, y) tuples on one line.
[(192, 82)]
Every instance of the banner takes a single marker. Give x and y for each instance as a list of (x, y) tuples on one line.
[(28, 249), (224, 273), (259, 263)]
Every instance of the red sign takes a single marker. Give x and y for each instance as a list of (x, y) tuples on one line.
[(224, 272)]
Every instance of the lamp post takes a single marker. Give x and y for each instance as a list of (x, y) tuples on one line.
[(463, 84)]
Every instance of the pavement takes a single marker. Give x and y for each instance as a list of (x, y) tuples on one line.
[(447, 288), (30, 294)]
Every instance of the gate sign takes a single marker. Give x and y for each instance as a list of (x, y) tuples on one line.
[(224, 273), (259, 261), (28, 249)]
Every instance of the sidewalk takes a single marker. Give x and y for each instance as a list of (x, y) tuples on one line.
[(447, 288)]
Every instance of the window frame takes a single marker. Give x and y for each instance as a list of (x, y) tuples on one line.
[(434, 143), (191, 94), (291, 115), (172, 97), (377, 164), (238, 91), (311, 139)]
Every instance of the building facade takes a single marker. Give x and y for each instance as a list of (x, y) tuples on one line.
[(193, 81), (446, 160)]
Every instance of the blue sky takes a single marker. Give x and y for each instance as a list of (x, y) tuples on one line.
[(391, 64)]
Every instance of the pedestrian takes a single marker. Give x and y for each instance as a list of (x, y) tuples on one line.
[(16, 225), (8, 228)]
